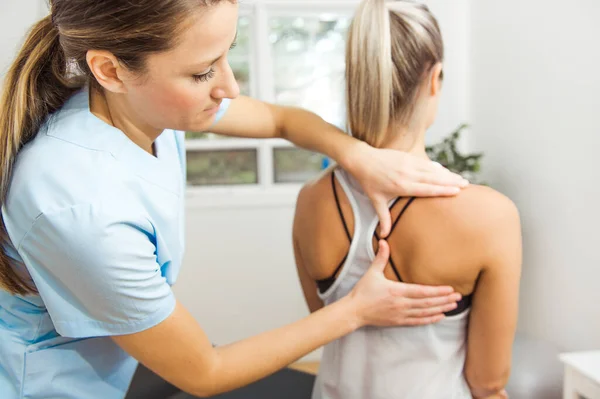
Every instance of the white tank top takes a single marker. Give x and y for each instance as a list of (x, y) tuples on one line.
[(424, 362)]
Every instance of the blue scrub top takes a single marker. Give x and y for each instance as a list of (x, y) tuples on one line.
[(97, 223)]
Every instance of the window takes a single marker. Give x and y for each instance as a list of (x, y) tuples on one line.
[(286, 56), (222, 167), (293, 165), (239, 59), (308, 58)]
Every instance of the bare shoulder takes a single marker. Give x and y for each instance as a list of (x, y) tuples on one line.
[(319, 232), (313, 197), (490, 207), (477, 209), (314, 190), (480, 226)]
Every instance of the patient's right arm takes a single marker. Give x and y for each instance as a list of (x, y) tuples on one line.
[(494, 311)]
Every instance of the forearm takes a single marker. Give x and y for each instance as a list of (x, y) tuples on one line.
[(486, 387), (501, 394), (180, 351), (309, 131), (254, 358)]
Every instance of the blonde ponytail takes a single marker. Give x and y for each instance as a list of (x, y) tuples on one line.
[(369, 70), (391, 44)]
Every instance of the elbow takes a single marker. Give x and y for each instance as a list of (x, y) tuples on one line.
[(200, 394), (202, 389), (280, 116), (202, 384), (484, 386)]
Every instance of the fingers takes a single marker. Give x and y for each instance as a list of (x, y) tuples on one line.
[(442, 177), (385, 219), (421, 321), (417, 291), (434, 173), (431, 311), (382, 257), (430, 190), (426, 165), (426, 303)]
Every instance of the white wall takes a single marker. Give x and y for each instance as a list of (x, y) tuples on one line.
[(239, 275), (16, 17), (535, 101)]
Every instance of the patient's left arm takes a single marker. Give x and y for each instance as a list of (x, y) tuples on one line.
[(308, 284)]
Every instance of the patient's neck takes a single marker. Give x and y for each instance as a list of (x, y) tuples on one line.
[(409, 139)]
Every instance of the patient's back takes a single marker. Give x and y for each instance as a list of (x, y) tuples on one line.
[(434, 241)]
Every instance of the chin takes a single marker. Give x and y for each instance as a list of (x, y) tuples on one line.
[(198, 126)]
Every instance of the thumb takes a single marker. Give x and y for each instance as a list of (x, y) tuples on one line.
[(383, 255), (383, 213)]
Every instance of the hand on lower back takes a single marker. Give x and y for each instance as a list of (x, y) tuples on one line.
[(381, 302)]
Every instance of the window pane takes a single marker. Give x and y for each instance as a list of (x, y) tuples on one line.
[(222, 167), (239, 57), (293, 165), (309, 63), (205, 136)]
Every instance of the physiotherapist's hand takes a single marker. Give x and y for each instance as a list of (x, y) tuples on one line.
[(385, 174), (382, 302)]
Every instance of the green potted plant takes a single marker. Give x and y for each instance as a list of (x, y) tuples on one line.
[(447, 154)]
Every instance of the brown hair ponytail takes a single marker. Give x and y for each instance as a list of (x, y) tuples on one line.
[(35, 86), (52, 65)]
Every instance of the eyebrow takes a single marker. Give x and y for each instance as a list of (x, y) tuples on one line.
[(219, 57)]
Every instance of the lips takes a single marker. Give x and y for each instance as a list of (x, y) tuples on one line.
[(213, 108)]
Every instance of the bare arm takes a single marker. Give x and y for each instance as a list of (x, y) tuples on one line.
[(493, 316), (308, 284), (180, 352), (383, 173)]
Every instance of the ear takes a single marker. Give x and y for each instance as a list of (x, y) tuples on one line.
[(107, 70), (436, 79)]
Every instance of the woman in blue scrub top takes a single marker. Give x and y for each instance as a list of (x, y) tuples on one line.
[(92, 188)]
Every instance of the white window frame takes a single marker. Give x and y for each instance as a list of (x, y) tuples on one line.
[(262, 87)]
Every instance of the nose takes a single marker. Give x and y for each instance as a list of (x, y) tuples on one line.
[(227, 87)]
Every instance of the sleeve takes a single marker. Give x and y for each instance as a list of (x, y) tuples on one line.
[(97, 274), (222, 109)]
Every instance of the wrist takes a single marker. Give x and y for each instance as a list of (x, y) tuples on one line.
[(351, 157), (351, 312), (487, 394)]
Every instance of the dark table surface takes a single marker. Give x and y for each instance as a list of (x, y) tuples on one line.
[(285, 384)]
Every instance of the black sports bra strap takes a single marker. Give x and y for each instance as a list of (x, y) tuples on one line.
[(463, 304), (394, 268), (337, 202), (408, 203), (398, 217), (326, 283)]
